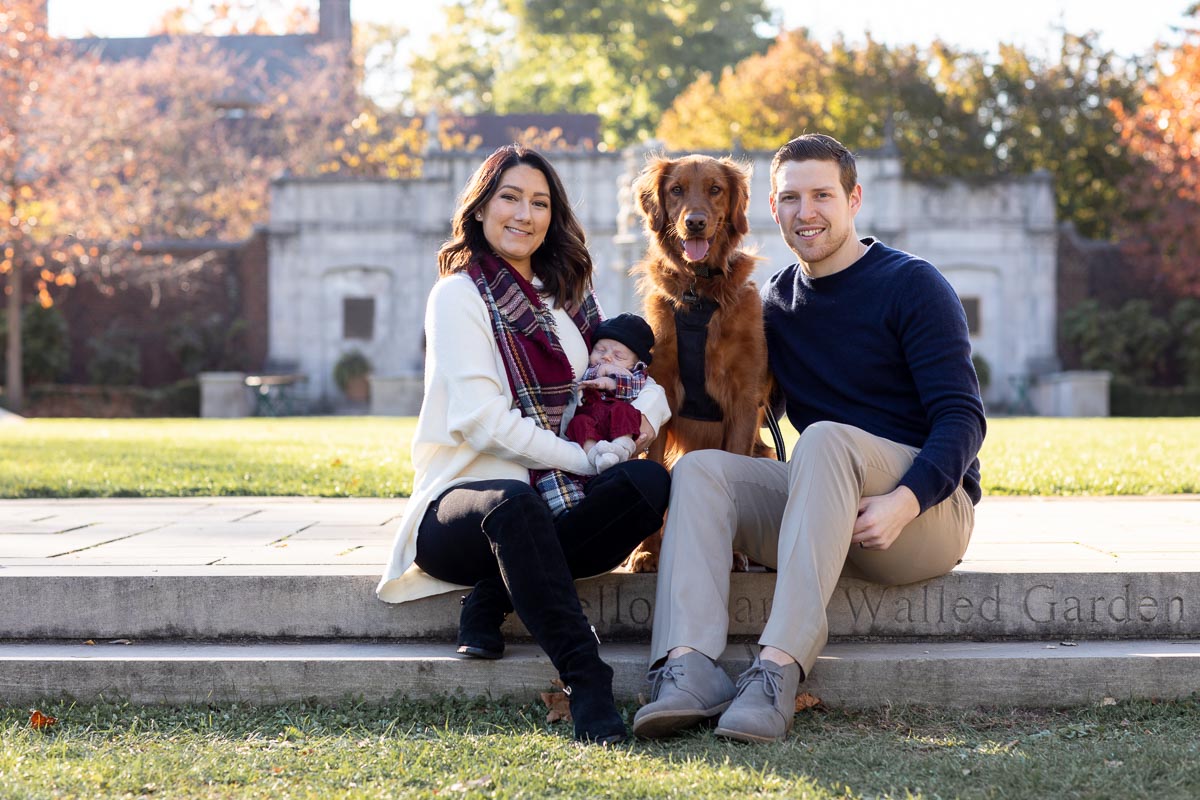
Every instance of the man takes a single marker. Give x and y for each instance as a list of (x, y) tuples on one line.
[(869, 349)]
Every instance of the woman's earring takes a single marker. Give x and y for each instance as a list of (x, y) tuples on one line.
[(478, 217)]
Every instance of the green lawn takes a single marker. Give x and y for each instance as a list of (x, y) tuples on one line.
[(369, 457), (469, 749)]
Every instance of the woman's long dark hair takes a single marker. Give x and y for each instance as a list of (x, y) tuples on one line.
[(562, 263)]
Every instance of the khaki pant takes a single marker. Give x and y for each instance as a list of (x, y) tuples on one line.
[(798, 518)]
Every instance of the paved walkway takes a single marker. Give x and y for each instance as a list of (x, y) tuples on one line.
[(254, 535)]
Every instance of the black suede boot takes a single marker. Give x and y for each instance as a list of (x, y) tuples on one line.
[(521, 531), (484, 610)]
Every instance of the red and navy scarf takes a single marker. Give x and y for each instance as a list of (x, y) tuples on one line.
[(539, 373)]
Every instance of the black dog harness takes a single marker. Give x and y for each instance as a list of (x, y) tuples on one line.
[(691, 331)]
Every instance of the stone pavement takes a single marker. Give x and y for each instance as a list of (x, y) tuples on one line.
[(1058, 601), (255, 535)]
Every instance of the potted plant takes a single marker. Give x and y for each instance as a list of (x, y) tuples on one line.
[(350, 374)]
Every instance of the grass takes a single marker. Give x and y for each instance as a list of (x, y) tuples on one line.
[(313, 457), (369, 457), (468, 749)]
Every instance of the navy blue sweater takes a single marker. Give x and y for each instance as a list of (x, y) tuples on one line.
[(883, 346)]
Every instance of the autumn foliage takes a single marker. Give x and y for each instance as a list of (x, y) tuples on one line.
[(1162, 235)]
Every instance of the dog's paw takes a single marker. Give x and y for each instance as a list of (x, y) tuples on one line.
[(643, 561), (741, 562)]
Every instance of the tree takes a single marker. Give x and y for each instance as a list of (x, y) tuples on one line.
[(226, 17), (623, 60), (948, 112), (31, 218), (1162, 136)]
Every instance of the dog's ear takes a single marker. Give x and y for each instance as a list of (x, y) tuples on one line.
[(648, 188), (737, 179)]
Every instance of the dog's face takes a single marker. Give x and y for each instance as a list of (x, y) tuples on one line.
[(694, 203)]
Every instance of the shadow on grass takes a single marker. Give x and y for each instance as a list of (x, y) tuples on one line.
[(1133, 749)]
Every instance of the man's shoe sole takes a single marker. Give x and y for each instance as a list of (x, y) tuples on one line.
[(751, 738), (659, 724)]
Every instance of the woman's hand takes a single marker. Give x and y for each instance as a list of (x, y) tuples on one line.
[(645, 437)]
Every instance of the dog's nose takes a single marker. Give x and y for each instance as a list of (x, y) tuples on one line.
[(695, 223)]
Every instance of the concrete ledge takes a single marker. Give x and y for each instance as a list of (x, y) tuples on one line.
[(847, 675), (35, 604)]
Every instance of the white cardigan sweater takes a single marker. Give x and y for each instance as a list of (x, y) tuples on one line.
[(468, 429)]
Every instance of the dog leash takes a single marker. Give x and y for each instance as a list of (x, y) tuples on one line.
[(776, 434)]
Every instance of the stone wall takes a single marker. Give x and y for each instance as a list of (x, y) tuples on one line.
[(331, 239)]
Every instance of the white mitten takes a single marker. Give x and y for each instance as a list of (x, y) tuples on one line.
[(608, 454)]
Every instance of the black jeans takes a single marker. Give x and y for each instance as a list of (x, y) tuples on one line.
[(622, 506)]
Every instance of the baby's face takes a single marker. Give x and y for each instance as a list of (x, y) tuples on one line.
[(610, 351)]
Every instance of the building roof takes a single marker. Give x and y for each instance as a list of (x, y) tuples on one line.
[(579, 131)]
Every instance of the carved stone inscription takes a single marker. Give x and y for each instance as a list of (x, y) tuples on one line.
[(1048, 603), (959, 604)]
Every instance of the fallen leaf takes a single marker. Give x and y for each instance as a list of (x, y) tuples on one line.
[(90, 642), (807, 700), (38, 720), (1108, 701), (642, 699), (558, 703), (1115, 763), (121, 641), (1069, 644)]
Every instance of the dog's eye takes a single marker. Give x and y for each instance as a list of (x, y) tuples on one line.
[(677, 189), (714, 189)]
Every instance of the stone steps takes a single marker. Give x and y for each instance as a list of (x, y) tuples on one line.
[(198, 603), (848, 675)]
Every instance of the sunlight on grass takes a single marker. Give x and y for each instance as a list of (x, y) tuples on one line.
[(503, 748), (370, 457)]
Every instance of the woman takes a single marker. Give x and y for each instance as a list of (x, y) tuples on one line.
[(509, 325)]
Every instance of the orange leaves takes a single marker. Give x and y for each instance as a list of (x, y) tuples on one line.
[(807, 700), (558, 703), (39, 721)]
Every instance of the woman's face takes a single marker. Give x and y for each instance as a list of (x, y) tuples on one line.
[(517, 217)]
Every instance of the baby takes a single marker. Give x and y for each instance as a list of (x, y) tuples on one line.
[(606, 423)]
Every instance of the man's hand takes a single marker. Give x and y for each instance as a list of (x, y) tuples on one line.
[(881, 518), (645, 436)]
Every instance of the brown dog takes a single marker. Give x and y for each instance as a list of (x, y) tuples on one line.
[(710, 354)]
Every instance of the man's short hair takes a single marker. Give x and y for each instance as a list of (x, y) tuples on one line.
[(818, 147)]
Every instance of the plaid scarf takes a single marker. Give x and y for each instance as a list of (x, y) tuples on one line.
[(539, 374)]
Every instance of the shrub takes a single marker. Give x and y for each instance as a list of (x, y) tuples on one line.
[(1127, 400), (115, 358), (350, 366), (45, 348)]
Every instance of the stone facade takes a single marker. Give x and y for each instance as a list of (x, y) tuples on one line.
[(338, 240)]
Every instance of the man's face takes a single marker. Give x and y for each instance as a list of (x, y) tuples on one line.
[(814, 214)]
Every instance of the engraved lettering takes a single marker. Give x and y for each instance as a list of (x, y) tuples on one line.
[(1029, 598), (1124, 601), (904, 610), (1095, 601), (640, 607), (994, 599), (743, 611), (857, 610), (963, 604), (1175, 602), (1072, 610), (1147, 604)]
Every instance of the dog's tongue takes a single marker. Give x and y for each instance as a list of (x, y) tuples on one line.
[(695, 249)]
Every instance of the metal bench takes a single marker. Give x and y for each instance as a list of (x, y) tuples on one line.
[(278, 395)]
